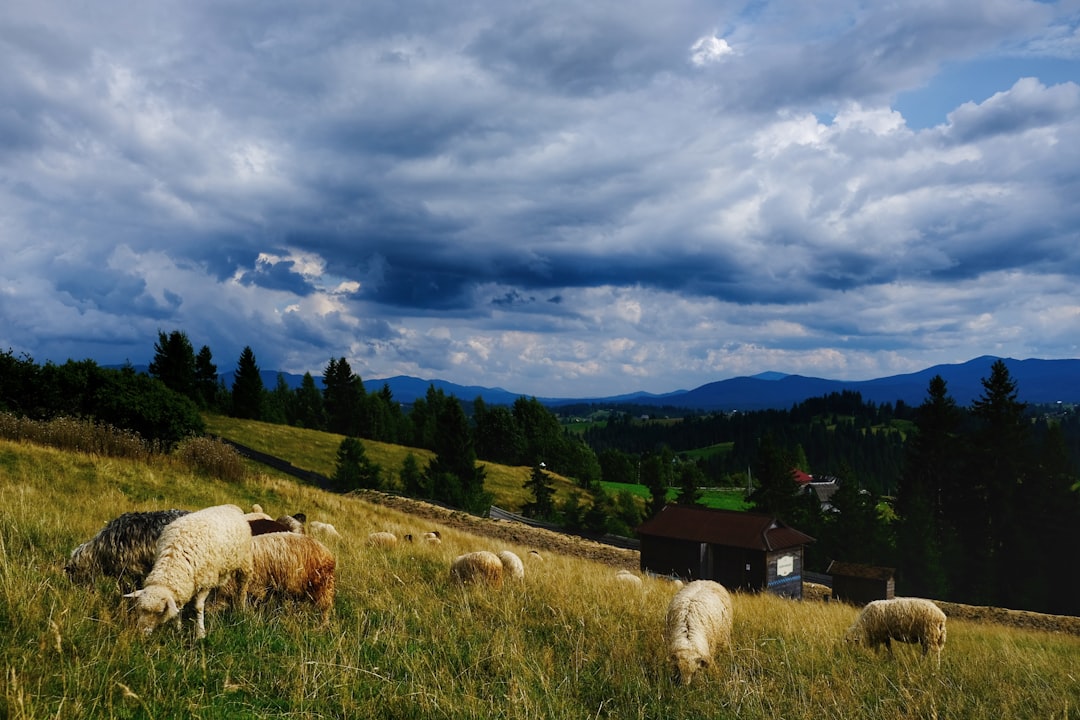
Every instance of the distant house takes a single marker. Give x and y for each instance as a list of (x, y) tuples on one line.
[(747, 551), (859, 584), (824, 489)]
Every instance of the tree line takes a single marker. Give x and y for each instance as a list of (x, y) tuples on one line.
[(968, 504), (984, 506)]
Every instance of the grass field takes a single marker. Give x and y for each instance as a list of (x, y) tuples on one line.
[(317, 451), (569, 642), (713, 498)]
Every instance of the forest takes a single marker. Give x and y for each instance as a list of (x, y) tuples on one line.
[(970, 504)]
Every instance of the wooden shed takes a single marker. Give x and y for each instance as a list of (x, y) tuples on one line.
[(739, 550), (859, 584)]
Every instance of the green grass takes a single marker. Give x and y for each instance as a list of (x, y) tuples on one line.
[(404, 643), (713, 498), (709, 451), (317, 451)]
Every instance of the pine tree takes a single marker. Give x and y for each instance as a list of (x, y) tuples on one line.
[(654, 478), (931, 489), (1001, 456), (453, 475), (413, 481), (344, 399), (309, 405), (354, 470), (174, 363), (540, 484), (690, 481), (206, 379), (247, 389), (774, 472)]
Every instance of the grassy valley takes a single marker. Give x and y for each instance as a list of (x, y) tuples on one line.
[(569, 642)]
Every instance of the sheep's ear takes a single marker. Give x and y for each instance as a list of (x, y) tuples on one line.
[(135, 594)]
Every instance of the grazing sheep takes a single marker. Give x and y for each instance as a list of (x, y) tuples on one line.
[(322, 528), (432, 538), (625, 576), (382, 539), (259, 526), (535, 555), (257, 513), (195, 554), (698, 624), (295, 566), (295, 523), (123, 549), (481, 566), (908, 620), (512, 565)]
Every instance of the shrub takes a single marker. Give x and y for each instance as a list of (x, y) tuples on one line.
[(213, 457)]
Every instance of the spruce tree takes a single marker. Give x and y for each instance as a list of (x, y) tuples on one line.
[(540, 484), (309, 405), (690, 481), (931, 491), (454, 475), (247, 389), (354, 470), (206, 379), (174, 363), (1000, 460)]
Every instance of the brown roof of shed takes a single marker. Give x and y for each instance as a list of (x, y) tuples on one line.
[(730, 528)]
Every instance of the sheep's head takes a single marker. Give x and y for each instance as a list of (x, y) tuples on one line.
[(78, 564), (156, 606), (686, 667)]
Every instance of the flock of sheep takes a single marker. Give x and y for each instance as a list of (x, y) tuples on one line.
[(179, 557)]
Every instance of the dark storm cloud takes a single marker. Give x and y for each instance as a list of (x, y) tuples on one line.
[(568, 194)]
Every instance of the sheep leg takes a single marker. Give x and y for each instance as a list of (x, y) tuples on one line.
[(243, 582), (200, 613)]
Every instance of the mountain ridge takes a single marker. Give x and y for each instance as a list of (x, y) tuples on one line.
[(1038, 381)]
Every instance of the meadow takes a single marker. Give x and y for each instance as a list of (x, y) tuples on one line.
[(569, 642)]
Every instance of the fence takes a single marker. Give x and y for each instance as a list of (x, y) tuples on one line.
[(313, 478)]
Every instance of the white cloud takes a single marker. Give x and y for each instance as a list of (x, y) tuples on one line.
[(708, 50), (570, 199)]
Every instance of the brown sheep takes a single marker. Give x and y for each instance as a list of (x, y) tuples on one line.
[(481, 566)]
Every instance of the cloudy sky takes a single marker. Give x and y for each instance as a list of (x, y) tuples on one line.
[(560, 198)]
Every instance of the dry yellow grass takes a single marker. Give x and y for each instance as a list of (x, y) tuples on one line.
[(404, 642)]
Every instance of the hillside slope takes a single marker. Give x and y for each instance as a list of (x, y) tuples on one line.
[(405, 642)]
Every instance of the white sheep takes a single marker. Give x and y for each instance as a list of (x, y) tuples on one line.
[(323, 528), (481, 566), (195, 554), (629, 578), (512, 565), (432, 538), (382, 539), (698, 625), (295, 566), (908, 620), (123, 549)]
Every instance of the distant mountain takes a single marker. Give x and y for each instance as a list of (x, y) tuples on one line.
[(1037, 381)]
